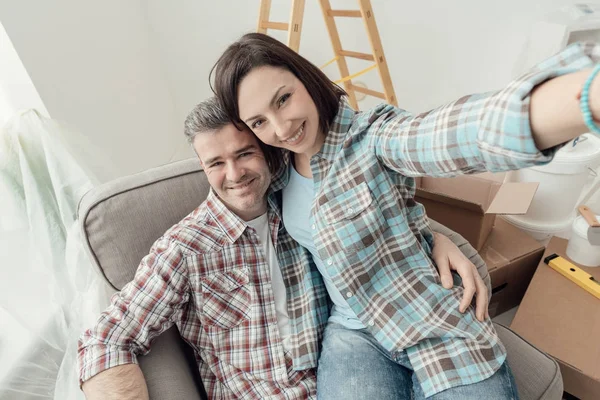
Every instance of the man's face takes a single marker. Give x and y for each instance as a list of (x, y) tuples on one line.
[(236, 169)]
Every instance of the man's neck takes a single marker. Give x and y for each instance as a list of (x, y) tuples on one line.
[(256, 218), (247, 215)]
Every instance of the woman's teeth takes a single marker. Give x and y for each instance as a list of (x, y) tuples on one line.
[(297, 135)]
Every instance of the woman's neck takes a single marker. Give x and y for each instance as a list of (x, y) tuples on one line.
[(302, 164), (302, 160)]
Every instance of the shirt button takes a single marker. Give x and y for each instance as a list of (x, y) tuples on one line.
[(371, 323), (314, 227), (329, 262), (349, 294), (350, 210)]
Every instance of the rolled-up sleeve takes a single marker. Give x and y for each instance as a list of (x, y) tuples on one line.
[(142, 310), (475, 133)]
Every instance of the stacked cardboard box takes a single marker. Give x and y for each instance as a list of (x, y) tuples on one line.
[(512, 257), (562, 319), (469, 204)]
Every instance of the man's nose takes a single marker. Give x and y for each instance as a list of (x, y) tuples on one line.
[(235, 172)]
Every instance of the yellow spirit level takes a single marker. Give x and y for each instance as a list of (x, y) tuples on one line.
[(574, 273)]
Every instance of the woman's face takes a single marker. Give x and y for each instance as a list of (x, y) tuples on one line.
[(278, 109)]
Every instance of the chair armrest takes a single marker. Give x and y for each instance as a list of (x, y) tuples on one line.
[(536, 374), (170, 370)]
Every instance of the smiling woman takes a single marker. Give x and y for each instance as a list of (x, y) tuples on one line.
[(278, 108), (348, 197)]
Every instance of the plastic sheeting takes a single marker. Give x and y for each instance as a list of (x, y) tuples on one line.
[(48, 290)]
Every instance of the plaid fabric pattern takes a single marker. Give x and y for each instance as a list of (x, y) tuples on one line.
[(208, 276), (375, 238)]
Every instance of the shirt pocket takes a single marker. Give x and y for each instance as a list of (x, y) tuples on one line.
[(226, 298), (353, 218)]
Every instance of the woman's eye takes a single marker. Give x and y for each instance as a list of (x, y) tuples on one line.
[(283, 99), (256, 124)]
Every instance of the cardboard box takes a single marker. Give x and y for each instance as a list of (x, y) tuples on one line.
[(512, 257), (469, 204), (560, 318)]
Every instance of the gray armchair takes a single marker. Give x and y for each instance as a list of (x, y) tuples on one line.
[(121, 219)]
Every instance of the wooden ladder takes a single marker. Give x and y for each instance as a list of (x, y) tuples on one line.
[(294, 29)]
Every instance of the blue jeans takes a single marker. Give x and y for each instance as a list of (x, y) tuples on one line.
[(353, 365)]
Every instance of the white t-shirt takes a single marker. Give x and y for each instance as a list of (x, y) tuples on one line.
[(261, 225)]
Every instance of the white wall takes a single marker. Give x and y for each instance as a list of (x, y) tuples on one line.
[(126, 73), (436, 50), (16, 89), (189, 38), (96, 69)]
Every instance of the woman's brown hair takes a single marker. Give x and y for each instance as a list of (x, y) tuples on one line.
[(256, 50)]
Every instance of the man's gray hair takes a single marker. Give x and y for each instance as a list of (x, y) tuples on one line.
[(207, 116)]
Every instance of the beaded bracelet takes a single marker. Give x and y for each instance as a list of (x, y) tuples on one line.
[(584, 102)]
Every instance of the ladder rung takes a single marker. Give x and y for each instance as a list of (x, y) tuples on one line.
[(370, 92), (345, 13), (354, 54), (282, 26)]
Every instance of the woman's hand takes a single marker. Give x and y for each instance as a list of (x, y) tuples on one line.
[(448, 257)]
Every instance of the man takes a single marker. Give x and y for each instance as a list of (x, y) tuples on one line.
[(217, 276)]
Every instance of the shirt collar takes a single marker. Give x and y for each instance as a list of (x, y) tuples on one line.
[(231, 224), (338, 132), (281, 176)]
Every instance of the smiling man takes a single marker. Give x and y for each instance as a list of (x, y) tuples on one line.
[(216, 276)]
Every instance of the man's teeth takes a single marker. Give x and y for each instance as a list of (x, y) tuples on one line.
[(297, 135), (243, 185)]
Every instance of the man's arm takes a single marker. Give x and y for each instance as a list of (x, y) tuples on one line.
[(142, 310), (124, 382)]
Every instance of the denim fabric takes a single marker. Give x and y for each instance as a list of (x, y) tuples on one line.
[(353, 365)]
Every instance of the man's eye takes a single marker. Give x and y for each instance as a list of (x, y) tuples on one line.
[(246, 154), (281, 101), (217, 164)]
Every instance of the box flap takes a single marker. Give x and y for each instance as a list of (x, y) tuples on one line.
[(507, 243), (492, 176), (455, 202), (472, 192), (513, 198), (493, 258)]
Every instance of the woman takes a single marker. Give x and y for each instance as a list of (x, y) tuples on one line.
[(348, 196)]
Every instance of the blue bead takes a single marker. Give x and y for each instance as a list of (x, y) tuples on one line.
[(584, 103)]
